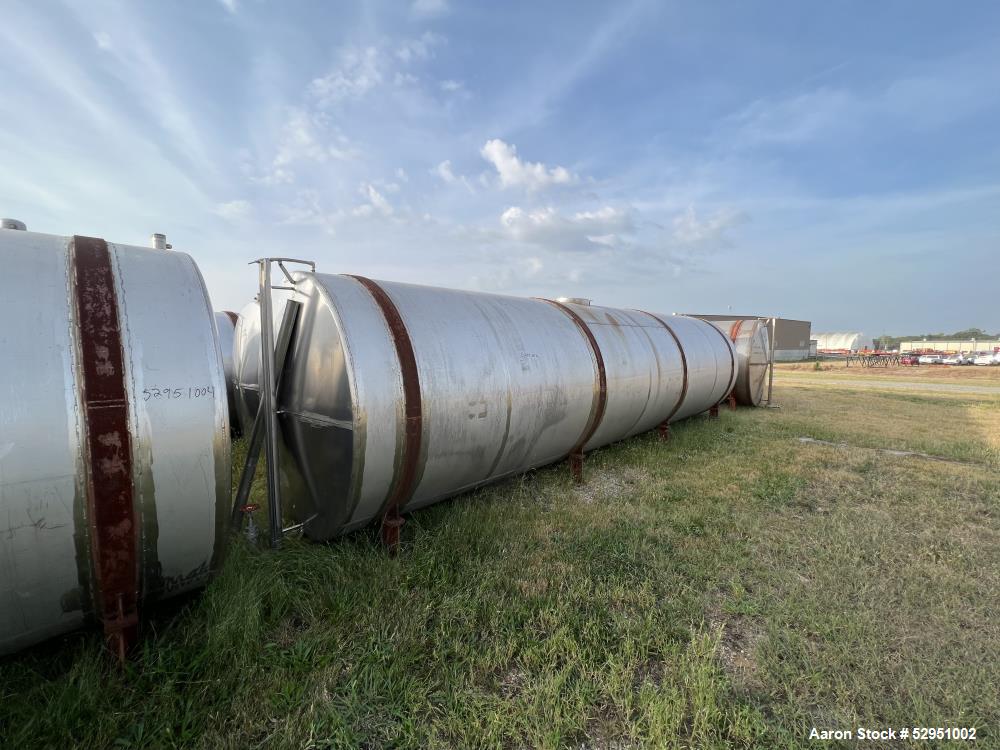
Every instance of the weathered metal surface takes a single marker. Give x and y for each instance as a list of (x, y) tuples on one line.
[(174, 436), (600, 393), (505, 384), (404, 479), (225, 324), (246, 358), (114, 534), (752, 345)]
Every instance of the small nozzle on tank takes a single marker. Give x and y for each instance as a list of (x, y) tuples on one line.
[(159, 241)]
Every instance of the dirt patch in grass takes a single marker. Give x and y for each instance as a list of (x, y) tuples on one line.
[(611, 485), (739, 639)]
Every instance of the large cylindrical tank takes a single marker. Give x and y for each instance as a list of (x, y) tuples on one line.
[(225, 325), (396, 394), (246, 357), (114, 445), (753, 356)]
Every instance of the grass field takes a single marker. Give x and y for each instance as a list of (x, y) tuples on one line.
[(733, 587)]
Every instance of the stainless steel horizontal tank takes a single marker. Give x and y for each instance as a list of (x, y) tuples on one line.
[(753, 356), (114, 446), (397, 395), (246, 358)]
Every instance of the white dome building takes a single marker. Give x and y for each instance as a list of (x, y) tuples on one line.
[(852, 342)]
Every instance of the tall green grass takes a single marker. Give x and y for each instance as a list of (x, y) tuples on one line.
[(729, 588)]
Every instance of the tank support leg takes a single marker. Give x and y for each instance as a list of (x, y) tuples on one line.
[(392, 522), (713, 413), (664, 430), (732, 401), (576, 467)]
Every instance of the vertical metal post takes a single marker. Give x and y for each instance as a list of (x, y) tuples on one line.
[(281, 347), (770, 373), (267, 397)]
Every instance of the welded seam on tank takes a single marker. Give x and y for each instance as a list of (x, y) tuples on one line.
[(110, 491), (86, 597), (684, 364), (404, 480), (601, 395), (148, 532), (732, 362), (222, 453), (734, 333)]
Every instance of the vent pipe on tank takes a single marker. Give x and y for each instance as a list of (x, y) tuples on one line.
[(159, 241), (13, 224)]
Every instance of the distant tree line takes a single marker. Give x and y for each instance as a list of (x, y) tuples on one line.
[(892, 342)]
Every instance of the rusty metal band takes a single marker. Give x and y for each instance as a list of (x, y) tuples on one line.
[(601, 400), (404, 479), (734, 330), (111, 511), (732, 361), (233, 317), (684, 364)]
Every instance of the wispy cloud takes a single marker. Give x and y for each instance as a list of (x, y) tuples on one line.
[(515, 172), (426, 8)]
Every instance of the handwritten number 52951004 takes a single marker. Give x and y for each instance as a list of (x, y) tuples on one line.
[(175, 394)]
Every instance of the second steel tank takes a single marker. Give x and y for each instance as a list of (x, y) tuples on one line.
[(396, 395), (753, 356)]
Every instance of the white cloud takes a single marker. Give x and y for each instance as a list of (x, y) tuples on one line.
[(422, 48), (233, 210), (451, 86), (429, 7), (103, 40), (377, 202), (443, 170), (305, 137), (710, 233), (448, 176), (515, 172), (581, 231), (229, 5), (359, 71)]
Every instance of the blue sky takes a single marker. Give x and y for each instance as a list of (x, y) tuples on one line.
[(837, 162)]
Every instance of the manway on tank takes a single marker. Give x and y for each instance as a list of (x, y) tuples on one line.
[(394, 396), (753, 354), (114, 443)]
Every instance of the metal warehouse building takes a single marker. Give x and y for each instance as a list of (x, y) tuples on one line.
[(791, 337)]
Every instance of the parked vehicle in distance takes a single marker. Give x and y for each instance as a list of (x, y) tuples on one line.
[(930, 359), (954, 359), (985, 358), (909, 359)]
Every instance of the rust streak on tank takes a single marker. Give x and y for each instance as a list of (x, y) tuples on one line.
[(110, 493), (403, 483)]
